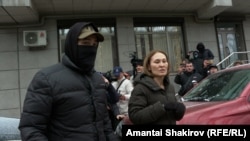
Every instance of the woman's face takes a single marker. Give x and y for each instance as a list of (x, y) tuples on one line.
[(159, 65)]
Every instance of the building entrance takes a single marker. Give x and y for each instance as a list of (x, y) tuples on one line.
[(231, 43)]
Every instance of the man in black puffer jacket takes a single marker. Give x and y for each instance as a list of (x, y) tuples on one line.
[(67, 101), (204, 53)]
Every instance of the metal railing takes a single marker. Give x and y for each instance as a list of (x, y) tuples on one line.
[(231, 58)]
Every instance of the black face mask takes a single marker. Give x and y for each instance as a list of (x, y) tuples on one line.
[(86, 57)]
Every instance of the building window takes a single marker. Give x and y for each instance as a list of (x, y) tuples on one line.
[(160, 35)]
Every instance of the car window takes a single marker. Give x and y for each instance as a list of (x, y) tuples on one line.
[(219, 87)]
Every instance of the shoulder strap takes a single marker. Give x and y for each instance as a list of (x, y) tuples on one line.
[(120, 84)]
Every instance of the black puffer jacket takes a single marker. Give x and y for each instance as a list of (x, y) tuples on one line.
[(69, 110), (145, 104), (204, 53), (63, 104)]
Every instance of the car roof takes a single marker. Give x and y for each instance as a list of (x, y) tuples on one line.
[(233, 68)]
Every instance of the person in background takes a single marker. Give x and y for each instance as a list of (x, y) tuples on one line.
[(68, 101), (213, 69), (128, 75), (139, 66), (138, 69), (205, 68), (124, 87), (113, 98), (153, 98), (184, 61), (181, 68), (197, 62), (204, 53), (237, 63), (187, 79)]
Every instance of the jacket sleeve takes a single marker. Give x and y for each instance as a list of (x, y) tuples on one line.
[(129, 88), (109, 132), (113, 95), (36, 110), (139, 110), (115, 109), (177, 79), (208, 54)]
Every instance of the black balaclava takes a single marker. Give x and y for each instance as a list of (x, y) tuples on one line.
[(82, 56), (200, 47), (86, 57)]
